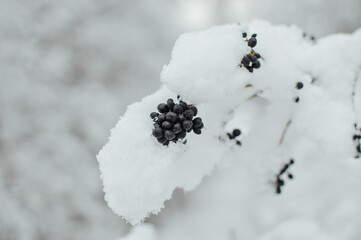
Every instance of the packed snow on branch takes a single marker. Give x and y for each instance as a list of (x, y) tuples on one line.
[(279, 151)]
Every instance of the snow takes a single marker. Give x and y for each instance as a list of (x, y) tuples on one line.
[(139, 174), (69, 69), (141, 232)]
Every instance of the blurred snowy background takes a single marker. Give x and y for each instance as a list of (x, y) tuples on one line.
[(68, 69)]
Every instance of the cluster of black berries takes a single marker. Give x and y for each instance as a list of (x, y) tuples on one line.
[(357, 140), (235, 133), (174, 121), (299, 86), (279, 181), (250, 61)]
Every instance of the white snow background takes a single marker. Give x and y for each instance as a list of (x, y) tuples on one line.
[(238, 197), (68, 69)]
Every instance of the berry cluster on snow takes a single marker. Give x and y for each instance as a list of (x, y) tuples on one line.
[(302, 103)]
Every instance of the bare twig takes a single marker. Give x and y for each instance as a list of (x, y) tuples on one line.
[(285, 131)]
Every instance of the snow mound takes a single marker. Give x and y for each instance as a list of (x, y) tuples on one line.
[(277, 120), (139, 173)]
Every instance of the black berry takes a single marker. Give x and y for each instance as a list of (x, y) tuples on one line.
[(177, 128), (158, 132), (194, 109), (169, 135), (163, 108), (246, 61), (154, 115), (177, 109), (256, 64), (161, 118), (299, 85), (197, 122), (252, 42), (162, 140), (187, 124), (197, 131), (181, 118), (236, 132), (171, 117), (182, 134), (170, 103), (252, 58), (167, 125), (188, 114), (184, 105)]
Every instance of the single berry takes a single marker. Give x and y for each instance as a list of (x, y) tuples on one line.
[(184, 105), (171, 117), (197, 131), (169, 135), (181, 118), (197, 122), (236, 132), (253, 58), (356, 137), (182, 134), (254, 35), (246, 61), (163, 108), (299, 85), (256, 64), (167, 125), (154, 115), (177, 128), (194, 109), (177, 109), (158, 132), (250, 69), (244, 34), (170, 103), (162, 139), (161, 118), (187, 124), (252, 42), (188, 114)]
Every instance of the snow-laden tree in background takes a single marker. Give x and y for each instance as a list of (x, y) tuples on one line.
[(313, 125)]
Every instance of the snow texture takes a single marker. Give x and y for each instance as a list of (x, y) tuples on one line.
[(139, 174)]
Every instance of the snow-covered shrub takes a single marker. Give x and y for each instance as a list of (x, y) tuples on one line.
[(303, 103)]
